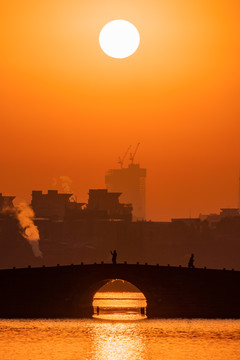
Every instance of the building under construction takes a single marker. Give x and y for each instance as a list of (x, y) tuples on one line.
[(131, 182)]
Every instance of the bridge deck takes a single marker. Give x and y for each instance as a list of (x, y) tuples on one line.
[(68, 290)]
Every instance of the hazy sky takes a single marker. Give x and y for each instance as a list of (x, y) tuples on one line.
[(66, 108)]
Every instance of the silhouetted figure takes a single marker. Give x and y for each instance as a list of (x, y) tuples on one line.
[(191, 262), (97, 310), (114, 257)]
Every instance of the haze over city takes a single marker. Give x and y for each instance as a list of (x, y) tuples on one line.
[(68, 109), (120, 180)]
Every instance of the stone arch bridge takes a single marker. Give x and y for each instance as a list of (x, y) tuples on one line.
[(67, 291)]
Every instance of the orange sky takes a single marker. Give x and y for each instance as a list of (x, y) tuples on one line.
[(68, 109)]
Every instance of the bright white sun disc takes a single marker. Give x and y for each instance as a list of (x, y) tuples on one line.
[(119, 39)]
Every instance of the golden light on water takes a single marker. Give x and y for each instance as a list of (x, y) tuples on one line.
[(88, 339), (121, 343), (119, 305)]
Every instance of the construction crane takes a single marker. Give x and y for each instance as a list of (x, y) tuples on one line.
[(132, 155), (121, 160)]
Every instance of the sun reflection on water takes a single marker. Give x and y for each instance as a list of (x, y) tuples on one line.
[(90, 339), (119, 306), (123, 342)]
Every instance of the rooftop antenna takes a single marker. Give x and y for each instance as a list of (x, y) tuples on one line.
[(121, 160), (132, 155)]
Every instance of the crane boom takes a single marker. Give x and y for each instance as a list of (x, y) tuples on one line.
[(121, 160), (132, 156)]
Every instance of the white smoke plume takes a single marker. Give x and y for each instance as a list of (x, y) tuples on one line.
[(66, 184), (25, 214)]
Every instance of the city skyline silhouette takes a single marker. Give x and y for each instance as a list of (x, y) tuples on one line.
[(120, 179), (69, 109)]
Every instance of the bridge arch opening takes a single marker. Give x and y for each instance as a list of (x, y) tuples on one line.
[(119, 300)]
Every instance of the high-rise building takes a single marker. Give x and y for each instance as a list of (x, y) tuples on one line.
[(131, 182)]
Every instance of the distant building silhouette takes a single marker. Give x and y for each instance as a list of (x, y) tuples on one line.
[(229, 212), (72, 232), (187, 221), (101, 205), (107, 204), (130, 182), (6, 201), (212, 219), (50, 205)]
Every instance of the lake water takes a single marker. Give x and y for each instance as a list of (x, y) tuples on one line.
[(124, 339), (119, 306)]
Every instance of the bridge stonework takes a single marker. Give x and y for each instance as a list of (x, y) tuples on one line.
[(67, 291)]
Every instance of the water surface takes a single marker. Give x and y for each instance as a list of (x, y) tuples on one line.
[(128, 338), (114, 340), (119, 305)]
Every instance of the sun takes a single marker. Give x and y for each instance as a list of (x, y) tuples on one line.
[(119, 39)]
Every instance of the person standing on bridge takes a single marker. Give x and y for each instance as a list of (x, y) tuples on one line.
[(191, 262), (114, 257)]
